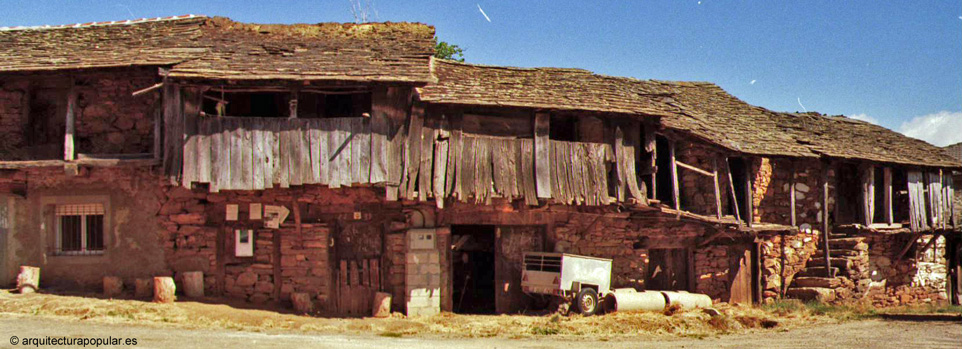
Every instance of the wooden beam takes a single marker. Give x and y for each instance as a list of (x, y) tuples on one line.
[(68, 144), (825, 225), (714, 177), (693, 168), (674, 176), (292, 104), (887, 194), (908, 245), (148, 89), (868, 194), (731, 186), (791, 195), (542, 154)]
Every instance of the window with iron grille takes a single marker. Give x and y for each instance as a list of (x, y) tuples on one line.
[(80, 229)]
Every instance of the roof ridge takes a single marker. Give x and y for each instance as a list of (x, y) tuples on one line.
[(103, 24)]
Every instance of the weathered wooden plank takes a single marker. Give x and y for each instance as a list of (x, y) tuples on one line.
[(313, 138), (306, 169), (345, 158), (363, 155), (526, 163), (282, 169), (452, 178), (868, 194), (441, 162), (219, 156), (917, 212), (425, 178), (270, 153), (749, 195), (71, 124), (412, 160), (934, 180), (321, 138), (335, 144), (484, 171), (247, 151), (718, 202), (467, 168), (619, 148), (174, 132), (356, 149), (256, 131), (294, 151), (731, 187), (203, 152), (632, 139), (542, 149)]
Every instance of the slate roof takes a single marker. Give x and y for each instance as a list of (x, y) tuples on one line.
[(706, 111), (218, 48), (954, 150), (542, 88)]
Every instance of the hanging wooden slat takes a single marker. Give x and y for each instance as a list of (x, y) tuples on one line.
[(425, 179), (467, 168), (282, 172), (362, 150), (527, 172), (219, 156), (452, 178), (304, 168), (412, 159), (247, 156), (236, 154), (887, 195), (542, 156), (674, 176), (257, 165), (271, 150), (203, 152), (917, 213)]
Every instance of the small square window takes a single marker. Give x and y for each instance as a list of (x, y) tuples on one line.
[(80, 229)]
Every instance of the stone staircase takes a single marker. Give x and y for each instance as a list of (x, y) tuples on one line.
[(849, 272)]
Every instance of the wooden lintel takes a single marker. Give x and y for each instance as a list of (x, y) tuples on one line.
[(693, 168)]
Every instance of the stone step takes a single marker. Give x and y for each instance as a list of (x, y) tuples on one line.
[(817, 272), (818, 294), (839, 262), (837, 253), (813, 281), (844, 243)]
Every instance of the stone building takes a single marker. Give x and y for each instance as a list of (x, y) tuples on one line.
[(339, 160)]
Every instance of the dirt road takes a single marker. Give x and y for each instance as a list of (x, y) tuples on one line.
[(860, 334)]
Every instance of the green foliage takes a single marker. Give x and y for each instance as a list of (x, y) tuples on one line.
[(445, 50)]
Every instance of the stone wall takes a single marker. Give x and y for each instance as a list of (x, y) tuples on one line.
[(697, 190), (772, 192), (782, 256), (909, 280)]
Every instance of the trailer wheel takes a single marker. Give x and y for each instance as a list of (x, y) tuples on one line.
[(587, 301)]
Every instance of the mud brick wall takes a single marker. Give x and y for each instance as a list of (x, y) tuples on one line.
[(132, 235), (909, 280), (782, 255), (12, 100)]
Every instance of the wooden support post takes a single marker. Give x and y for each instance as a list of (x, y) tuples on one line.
[(825, 225), (68, 145), (542, 153), (791, 196), (292, 104), (731, 186), (749, 196), (868, 194), (674, 176), (714, 177), (887, 179)]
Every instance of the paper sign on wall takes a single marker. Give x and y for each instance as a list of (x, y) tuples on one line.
[(232, 212), (256, 211), (274, 216)]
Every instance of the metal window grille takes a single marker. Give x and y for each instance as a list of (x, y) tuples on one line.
[(80, 229)]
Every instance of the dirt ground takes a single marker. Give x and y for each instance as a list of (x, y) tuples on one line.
[(217, 324), (854, 334)]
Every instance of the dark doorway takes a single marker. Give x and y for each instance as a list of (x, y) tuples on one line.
[(473, 264), (739, 172), (664, 190), (46, 124), (848, 189), (668, 270)]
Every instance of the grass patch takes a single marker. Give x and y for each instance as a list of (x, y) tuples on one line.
[(391, 334)]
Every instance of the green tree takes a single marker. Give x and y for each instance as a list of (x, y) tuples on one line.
[(445, 50)]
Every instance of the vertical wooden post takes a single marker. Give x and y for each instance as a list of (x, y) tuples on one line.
[(674, 176), (749, 195), (825, 225), (292, 104), (887, 194), (791, 195), (714, 177), (731, 186), (542, 154), (68, 145), (868, 194)]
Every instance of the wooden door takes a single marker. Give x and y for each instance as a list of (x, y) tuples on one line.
[(740, 262), (667, 269), (510, 245), (357, 268)]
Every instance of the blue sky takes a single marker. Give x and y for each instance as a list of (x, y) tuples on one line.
[(897, 63)]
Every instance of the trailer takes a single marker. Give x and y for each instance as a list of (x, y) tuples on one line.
[(580, 281)]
